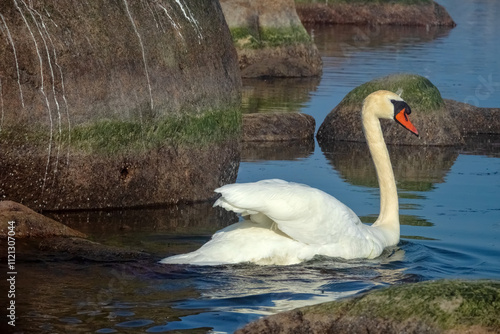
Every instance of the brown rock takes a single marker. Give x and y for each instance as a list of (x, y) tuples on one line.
[(344, 123), (431, 14), (270, 39), (76, 74), (429, 114), (277, 127), (426, 307), (29, 224), (126, 179), (473, 120)]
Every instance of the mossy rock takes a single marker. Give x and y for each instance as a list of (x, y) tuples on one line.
[(417, 91), (116, 136), (270, 39), (429, 114), (426, 307), (244, 37)]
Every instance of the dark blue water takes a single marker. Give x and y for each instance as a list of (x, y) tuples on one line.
[(449, 200)]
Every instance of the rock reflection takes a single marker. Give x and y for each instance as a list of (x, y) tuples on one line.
[(483, 144), (277, 94), (285, 150), (411, 220), (174, 218), (341, 41), (415, 168)]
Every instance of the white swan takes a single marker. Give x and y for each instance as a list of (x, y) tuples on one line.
[(287, 223)]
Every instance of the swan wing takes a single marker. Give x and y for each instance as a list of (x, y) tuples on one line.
[(303, 213), (246, 242)]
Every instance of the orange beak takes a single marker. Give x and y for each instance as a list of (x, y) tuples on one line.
[(402, 118)]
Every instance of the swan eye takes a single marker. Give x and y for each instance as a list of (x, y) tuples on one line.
[(400, 106)]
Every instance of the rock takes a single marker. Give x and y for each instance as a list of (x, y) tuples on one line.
[(277, 127), (427, 307), (429, 114), (136, 178), (34, 232), (473, 120), (102, 103), (29, 224), (82, 249), (417, 13), (270, 39)]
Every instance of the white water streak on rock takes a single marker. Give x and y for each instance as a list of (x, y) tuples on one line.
[(42, 30), (45, 31), (11, 41), (42, 90), (176, 27), (1, 105), (143, 53), (154, 13), (189, 16)]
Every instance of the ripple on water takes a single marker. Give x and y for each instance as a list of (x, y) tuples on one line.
[(70, 320), (135, 323), (106, 330)]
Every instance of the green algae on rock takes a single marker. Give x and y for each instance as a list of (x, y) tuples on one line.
[(269, 36), (417, 91), (426, 307), (270, 39), (109, 136), (429, 114)]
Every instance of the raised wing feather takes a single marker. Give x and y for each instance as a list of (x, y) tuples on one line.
[(305, 214)]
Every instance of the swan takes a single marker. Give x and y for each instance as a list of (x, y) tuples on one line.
[(287, 223)]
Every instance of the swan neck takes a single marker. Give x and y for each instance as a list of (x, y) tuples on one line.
[(389, 207)]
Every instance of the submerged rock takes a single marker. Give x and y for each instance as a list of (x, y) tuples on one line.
[(277, 127), (427, 307), (413, 13), (430, 115), (270, 39), (34, 232), (82, 249)]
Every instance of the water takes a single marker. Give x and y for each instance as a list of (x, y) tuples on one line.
[(450, 208)]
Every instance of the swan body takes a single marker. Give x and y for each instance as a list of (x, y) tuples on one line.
[(287, 223)]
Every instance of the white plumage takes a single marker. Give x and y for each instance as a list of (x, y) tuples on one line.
[(287, 223)]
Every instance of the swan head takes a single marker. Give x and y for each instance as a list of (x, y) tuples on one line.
[(389, 105)]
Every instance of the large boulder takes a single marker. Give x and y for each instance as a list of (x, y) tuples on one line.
[(408, 13), (116, 103), (429, 114), (270, 39), (428, 307)]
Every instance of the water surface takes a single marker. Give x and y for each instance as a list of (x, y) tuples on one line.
[(449, 201)]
